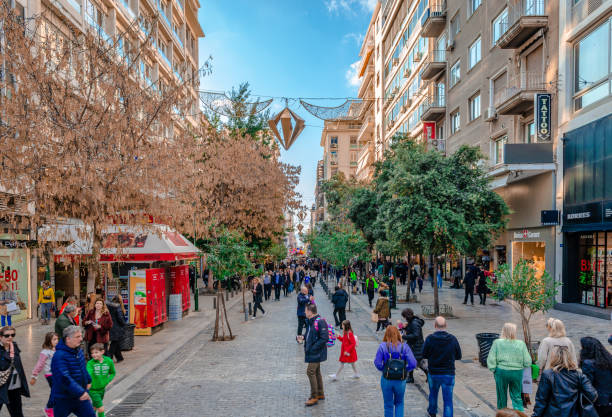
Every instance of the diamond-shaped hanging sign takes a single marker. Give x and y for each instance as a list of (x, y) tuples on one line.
[(300, 228), (291, 126), (301, 215)]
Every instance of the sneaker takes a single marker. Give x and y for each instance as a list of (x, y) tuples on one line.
[(311, 402), (253, 318), (333, 377), (356, 376)]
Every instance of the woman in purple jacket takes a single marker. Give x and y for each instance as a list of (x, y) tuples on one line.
[(393, 389)]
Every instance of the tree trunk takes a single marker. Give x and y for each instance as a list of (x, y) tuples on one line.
[(226, 320), (51, 263), (243, 296), (216, 332), (435, 286), (210, 280), (94, 262)]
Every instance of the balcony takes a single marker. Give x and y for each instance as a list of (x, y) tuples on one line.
[(127, 10), (433, 108), (522, 161), (162, 13), (98, 29), (178, 38), (365, 168), (525, 18), (434, 65), (366, 127), (76, 5), (164, 57), (434, 19), (518, 97)]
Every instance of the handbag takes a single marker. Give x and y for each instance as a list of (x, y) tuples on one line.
[(6, 374), (586, 408), (374, 317), (12, 308)]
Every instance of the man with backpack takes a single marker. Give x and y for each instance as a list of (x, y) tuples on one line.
[(339, 300), (315, 349), (371, 286), (441, 349)]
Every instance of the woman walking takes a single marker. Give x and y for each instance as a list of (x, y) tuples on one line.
[(482, 288), (507, 359), (383, 310), (98, 323), (596, 364), (6, 297), (412, 333), (257, 297), (556, 337), (16, 384), (348, 351), (391, 353), (117, 313), (44, 365), (561, 385)]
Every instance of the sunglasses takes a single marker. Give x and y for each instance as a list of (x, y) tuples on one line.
[(9, 335)]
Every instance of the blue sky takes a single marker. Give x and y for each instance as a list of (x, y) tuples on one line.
[(287, 48)]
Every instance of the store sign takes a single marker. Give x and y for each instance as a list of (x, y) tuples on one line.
[(542, 117), (429, 131), (607, 211), (549, 217), (583, 213), (526, 234)]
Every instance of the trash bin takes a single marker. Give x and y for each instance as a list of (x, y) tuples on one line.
[(485, 341), (127, 343)]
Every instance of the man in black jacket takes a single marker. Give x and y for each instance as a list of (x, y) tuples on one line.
[(315, 349), (441, 349), (277, 281), (339, 300), (469, 281)]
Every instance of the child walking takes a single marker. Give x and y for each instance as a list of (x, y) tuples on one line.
[(44, 365), (102, 371), (348, 351)]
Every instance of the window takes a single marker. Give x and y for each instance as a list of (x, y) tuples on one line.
[(455, 122), (334, 141), (498, 150), (455, 73), (473, 6), (475, 107), (592, 66), (529, 132), (499, 25), (455, 26), (353, 157), (334, 155), (475, 53), (353, 141)]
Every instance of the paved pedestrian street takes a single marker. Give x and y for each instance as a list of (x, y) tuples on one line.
[(262, 372)]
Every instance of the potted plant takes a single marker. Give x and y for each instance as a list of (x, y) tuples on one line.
[(528, 292)]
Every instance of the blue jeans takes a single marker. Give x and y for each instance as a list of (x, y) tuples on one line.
[(45, 311), (63, 407), (393, 396), (6, 321), (446, 382), (413, 286), (439, 281)]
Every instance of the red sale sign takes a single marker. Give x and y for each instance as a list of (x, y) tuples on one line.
[(429, 131)]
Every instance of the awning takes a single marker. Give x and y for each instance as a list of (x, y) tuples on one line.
[(132, 243), (510, 173)]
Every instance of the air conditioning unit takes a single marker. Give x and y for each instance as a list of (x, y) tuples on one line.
[(404, 108), (490, 114), (450, 45), (417, 57), (395, 90), (395, 62), (407, 73)]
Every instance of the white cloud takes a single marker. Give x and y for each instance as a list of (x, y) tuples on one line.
[(335, 6), (352, 75), (354, 37)]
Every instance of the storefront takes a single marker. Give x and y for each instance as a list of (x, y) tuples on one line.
[(15, 258), (587, 215), (533, 244)]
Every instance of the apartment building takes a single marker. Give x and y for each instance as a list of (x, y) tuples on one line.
[(467, 72), (584, 183)]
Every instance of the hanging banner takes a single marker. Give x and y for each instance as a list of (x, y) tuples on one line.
[(542, 117), (429, 131)]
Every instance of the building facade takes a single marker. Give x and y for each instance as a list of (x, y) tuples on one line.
[(584, 253)]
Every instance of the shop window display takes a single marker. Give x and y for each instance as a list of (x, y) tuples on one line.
[(532, 251), (595, 268)]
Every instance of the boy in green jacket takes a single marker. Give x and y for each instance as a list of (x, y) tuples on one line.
[(102, 371)]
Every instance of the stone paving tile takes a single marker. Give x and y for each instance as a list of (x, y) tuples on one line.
[(262, 372)]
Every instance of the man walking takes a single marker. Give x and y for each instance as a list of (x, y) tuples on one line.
[(371, 286), (302, 301), (278, 284), (66, 319), (286, 282), (70, 377), (469, 281), (441, 349), (267, 280), (315, 350), (339, 300)]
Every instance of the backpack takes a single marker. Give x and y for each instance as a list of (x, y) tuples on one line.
[(331, 335), (395, 369)]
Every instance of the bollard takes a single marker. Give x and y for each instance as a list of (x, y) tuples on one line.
[(214, 303), (250, 309)]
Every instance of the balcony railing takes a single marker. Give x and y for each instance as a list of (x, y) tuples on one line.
[(165, 57), (163, 14), (433, 108), (178, 38), (98, 29), (434, 19), (525, 18), (434, 64), (518, 96)]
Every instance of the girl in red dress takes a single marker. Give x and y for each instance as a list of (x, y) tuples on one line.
[(348, 351)]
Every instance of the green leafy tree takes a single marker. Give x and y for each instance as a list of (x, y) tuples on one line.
[(435, 204), (528, 292)]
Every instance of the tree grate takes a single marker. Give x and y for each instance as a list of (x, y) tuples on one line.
[(130, 404)]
